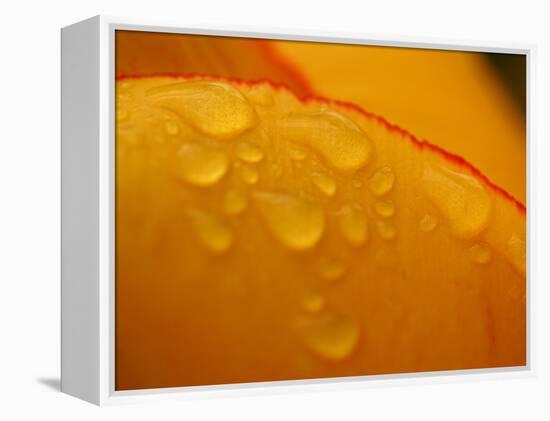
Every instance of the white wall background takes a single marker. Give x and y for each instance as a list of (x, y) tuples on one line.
[(29, 207)]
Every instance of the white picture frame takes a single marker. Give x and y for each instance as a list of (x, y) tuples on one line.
[(88, 76)]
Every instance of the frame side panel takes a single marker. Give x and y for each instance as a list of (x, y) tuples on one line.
[(80, 210)]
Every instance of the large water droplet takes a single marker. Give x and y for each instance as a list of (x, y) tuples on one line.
[(460, 197), (324, 183), (211, 230), (214, 108), (201, 165), (353, 223), (480, 253), (341, 143), (381, 182), (249, 152), (297, 223), (330, 335)]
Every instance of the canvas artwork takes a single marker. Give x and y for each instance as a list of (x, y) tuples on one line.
[(291, 210)]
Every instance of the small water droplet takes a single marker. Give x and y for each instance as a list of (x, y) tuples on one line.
[(462, 198), (171, 127), (480, 253), (386, 230), (330, 335), (324, 183), (515, 252), (381, 182), (339, 141), (428, 223), (313, 302), (296, 222), (331, 269), (249, 152), (214, 108), (249, 175), (385, 209), (201, 165), (235, 202), (353, 223), (211, 230)]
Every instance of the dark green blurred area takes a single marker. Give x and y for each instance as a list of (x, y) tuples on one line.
[(512, 70)]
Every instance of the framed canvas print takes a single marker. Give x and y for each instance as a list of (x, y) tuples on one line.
[(244, 208)]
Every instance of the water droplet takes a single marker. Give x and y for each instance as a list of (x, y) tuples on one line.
[(460, 197), (249, 152), (249, 175), (480, 253), (428, 223), (385, 209), (213, 108), (324, 182), (341, 143), (330, 335), (386, 230), (381, 182), (211, 230), (201, 165), (353, 223), (331, 269), (261, 94), (296, 153), (297, 223), (171, 127), (516, 252), (313, 302), (235, 202)]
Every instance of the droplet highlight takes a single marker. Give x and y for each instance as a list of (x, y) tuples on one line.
[(249, 152), (171, 127), (462, 198), (211, 230), (336, 138), (324, 183), (385, 209), (381, 182), (295, 222), (330, 335), (213, 108), (353, 223), (201, 165)]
